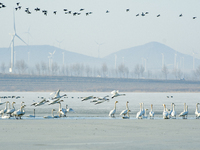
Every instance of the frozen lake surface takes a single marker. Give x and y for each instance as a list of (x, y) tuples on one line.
[(87, 110)]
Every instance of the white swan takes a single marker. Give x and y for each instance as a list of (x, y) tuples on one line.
[(145, 114), (100, 100), (171, 109), (10, 111), (86, 98), (49, 117), (197, 113), (112, 112), (116, 93), (185, 112), (173, 113), (5, 116), (165, 113), (57, 95), (54, 101), (39, 103), (151, 113), (126, 117), (20, 112), (124, 112), (61, 111), (143, 111), (139, 114), (5, 109), (69, 109)]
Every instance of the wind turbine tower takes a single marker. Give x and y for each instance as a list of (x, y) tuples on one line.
[(63, 58), (12, 45), (175, 61), (115, 61), (145, 65), (99, 44), (163, 60), (51, 59), (193, 53)]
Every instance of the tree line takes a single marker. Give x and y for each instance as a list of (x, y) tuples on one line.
[(80, 70)]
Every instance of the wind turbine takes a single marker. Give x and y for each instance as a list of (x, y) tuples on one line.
[(183, 67), (115, 61), (59, 42), (145, 65), (193, 53), (51, 59), (175, 61), (28, 34), (63, 58), (99, 44), (163, 60), (13, 46)]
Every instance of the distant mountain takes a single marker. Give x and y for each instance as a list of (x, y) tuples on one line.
[(152, 52), (40, 53)]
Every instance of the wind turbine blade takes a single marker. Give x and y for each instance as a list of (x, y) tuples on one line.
[(96, 42), (54, 51), (20, 39)]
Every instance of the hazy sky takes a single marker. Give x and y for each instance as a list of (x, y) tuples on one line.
[(117, 29)]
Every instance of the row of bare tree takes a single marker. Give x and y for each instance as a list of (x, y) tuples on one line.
[(80, 70)]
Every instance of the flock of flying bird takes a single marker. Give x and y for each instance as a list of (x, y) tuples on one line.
[(8, 111), (74, 13), (56, 99)]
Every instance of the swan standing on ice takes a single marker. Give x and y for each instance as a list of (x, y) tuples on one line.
[(145, 114), (139, 114), (5, 116), (5, 109), (173, 113), (61, 111), (20, 112), (116, 93), (124, 112), (171, 109), (185, 112), (10, 111), (197, 113), (112, 112), (143, 111), (165, 113), (126, 117), (151, 113)]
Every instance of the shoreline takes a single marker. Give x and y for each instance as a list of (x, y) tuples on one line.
[(91, 84)]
